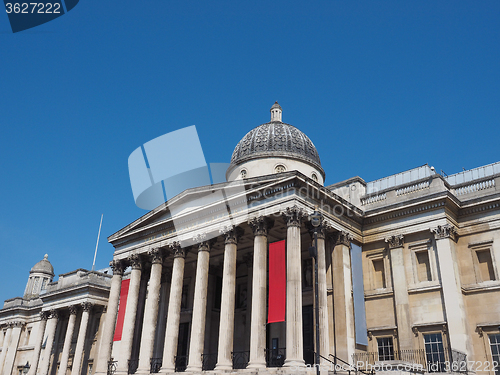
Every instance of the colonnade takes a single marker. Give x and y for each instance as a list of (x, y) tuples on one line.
[(293, 217)]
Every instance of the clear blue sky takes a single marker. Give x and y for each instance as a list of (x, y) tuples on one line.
[(379, 86)]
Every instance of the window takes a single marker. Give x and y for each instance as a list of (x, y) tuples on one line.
[(36, 288), (434, 352), (280, 168), (243, 173), (184, 297), (28, 334), (485, 265), (378, 274), (44, 284), (385, 349), (314, 176), (495, 351), (218, 292), (423, 266)]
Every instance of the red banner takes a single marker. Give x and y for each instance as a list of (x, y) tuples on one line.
[(277, 282), (121, 310)]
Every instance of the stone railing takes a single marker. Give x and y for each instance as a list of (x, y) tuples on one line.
[(475, 186), (413, 188), (373, 199)]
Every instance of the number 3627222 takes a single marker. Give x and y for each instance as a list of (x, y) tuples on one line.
[(33, 8)]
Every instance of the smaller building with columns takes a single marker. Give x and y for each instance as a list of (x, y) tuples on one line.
[(222, 278), (53, 329)]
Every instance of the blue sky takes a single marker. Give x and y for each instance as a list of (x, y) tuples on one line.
[(379, 87)]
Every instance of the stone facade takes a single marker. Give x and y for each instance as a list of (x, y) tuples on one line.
[(189, 290)]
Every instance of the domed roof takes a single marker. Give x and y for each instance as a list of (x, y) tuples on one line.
[(276, 139), (43, 266)]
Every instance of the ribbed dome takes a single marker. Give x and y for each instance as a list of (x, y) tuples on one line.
[(276, 139), (43, 266)]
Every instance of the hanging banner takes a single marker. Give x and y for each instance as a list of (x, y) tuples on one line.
[(277, 282), (121, 310)]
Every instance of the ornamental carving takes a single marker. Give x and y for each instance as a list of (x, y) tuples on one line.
[(293, 216), (343, 238), (276, 139), (156, 255), (206, 245), (135, 261), (117, 266), (44, 315), (395, 241), (200, 237), (73, 310), (86, 306), (260, 225), (231, 234), (178, 251), (54, 314), (445, 231)]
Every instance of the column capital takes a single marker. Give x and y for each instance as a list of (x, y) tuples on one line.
[(156, 255), (117, 266), (206, 245), (54, 314), (18, 324), (260, 225), (395, 241), (445, 231), (86, 306), (135, 261), (73, 309), (343, 238), (293, 216), (178, 251), (44, 315), (231, 234)]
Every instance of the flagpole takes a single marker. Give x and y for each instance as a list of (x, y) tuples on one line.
[(97, 244)]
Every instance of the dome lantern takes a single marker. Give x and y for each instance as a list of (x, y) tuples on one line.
[(276, 112)]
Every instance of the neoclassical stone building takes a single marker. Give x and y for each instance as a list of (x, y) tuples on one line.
[(407, 270)]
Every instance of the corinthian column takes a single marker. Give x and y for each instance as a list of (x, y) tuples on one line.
[(130, 314), (63, 366), (104, 354), (44, 315), (323, 321), (5, 346), (226, 327), (446, 236), (174, 309), (399, 283), (80, 341), (51, 332), (342, 294), (151, 312), (12, 351), (293, 217), (260, 227), (199, 308)]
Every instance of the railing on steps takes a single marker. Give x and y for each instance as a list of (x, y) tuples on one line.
[(208, 361), (338, 364), (132, 365), (440, 361), (181, 363), (111, 367), (240, 359), (155, 365), (275, 357)]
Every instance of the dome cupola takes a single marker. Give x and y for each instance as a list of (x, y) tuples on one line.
[(41, 274), (277, 143)]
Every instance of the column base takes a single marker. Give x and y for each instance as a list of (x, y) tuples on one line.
[(254, 365), (166, 370), (193, 369), (225, 367), (143, 371), (299, 363)]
